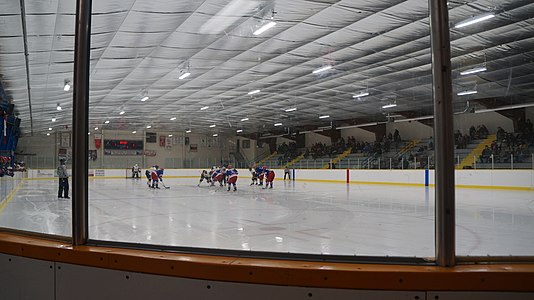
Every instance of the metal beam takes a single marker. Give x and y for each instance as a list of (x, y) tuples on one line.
[(443, 133), (26, 60), (80, 220)]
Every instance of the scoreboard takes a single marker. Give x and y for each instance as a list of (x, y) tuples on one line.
[(123, 145)]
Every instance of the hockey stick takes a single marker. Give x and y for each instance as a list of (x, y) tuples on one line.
[(163, 184)]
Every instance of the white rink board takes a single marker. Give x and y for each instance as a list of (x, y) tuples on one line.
[(476, 178)]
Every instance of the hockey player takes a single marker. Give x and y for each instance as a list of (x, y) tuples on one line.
[(254, 176), (231, 177), (217, 176), (223, 172), (260, 173), (154, 176), (148, 177), (204, 175), (136, 171), (159, 172), (269, 178)]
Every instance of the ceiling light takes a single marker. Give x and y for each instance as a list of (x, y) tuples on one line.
[(244, 119), (188, 131), (149, 126), (291, 109), (88, 133), (474, 20), (49, 128), (183, 76), (215, 134), (322, 69), (58, 107), (67, 85), (53, 119), (173, 118), (389, 105), (170, 135), (239, 130), (473, 71), (107, 122), (277, 124), (469, 92), (204, 108), (134, 132), (211, 126), (122, 113), (324, 117), (363, 94), (264, 28), (96, 128), (254, 92), (144, 98), (48, 134)]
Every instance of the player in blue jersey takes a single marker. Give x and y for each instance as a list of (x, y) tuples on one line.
[(217, 176), (260, 171), (231, 177)]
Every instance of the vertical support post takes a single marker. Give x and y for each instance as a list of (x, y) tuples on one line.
[(390, 163), (415, 162), (379, 163), (475, 161), (492, 162), (402, 163), (512, 161), (80, 121), (443, 132)]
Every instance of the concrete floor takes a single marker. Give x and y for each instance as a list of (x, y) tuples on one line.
[(295, 217)]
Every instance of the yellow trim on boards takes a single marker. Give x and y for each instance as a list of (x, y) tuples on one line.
[(463, 186), (9, 196)]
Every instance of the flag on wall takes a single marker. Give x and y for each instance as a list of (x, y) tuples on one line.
[(98, 140)]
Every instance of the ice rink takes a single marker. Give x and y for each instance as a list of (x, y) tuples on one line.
[(294, 217)]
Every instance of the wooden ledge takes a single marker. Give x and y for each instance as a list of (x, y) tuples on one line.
[(494, 277)]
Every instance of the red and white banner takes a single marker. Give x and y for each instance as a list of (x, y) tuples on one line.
[(98, 140)]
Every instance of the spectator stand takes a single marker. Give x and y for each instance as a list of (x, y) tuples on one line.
[(470, 160), (268, 158), (333, 162)]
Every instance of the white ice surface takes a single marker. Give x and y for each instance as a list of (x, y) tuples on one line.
[(295, 217)]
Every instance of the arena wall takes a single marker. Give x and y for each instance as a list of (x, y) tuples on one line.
[(492, 120), (359, 134), (313, 138), (410, 130)]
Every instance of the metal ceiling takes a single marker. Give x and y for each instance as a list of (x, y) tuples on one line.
[(141, 48)]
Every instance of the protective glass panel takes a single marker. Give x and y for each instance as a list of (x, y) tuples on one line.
[(491, 45), (36, 69), (305, 94)]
